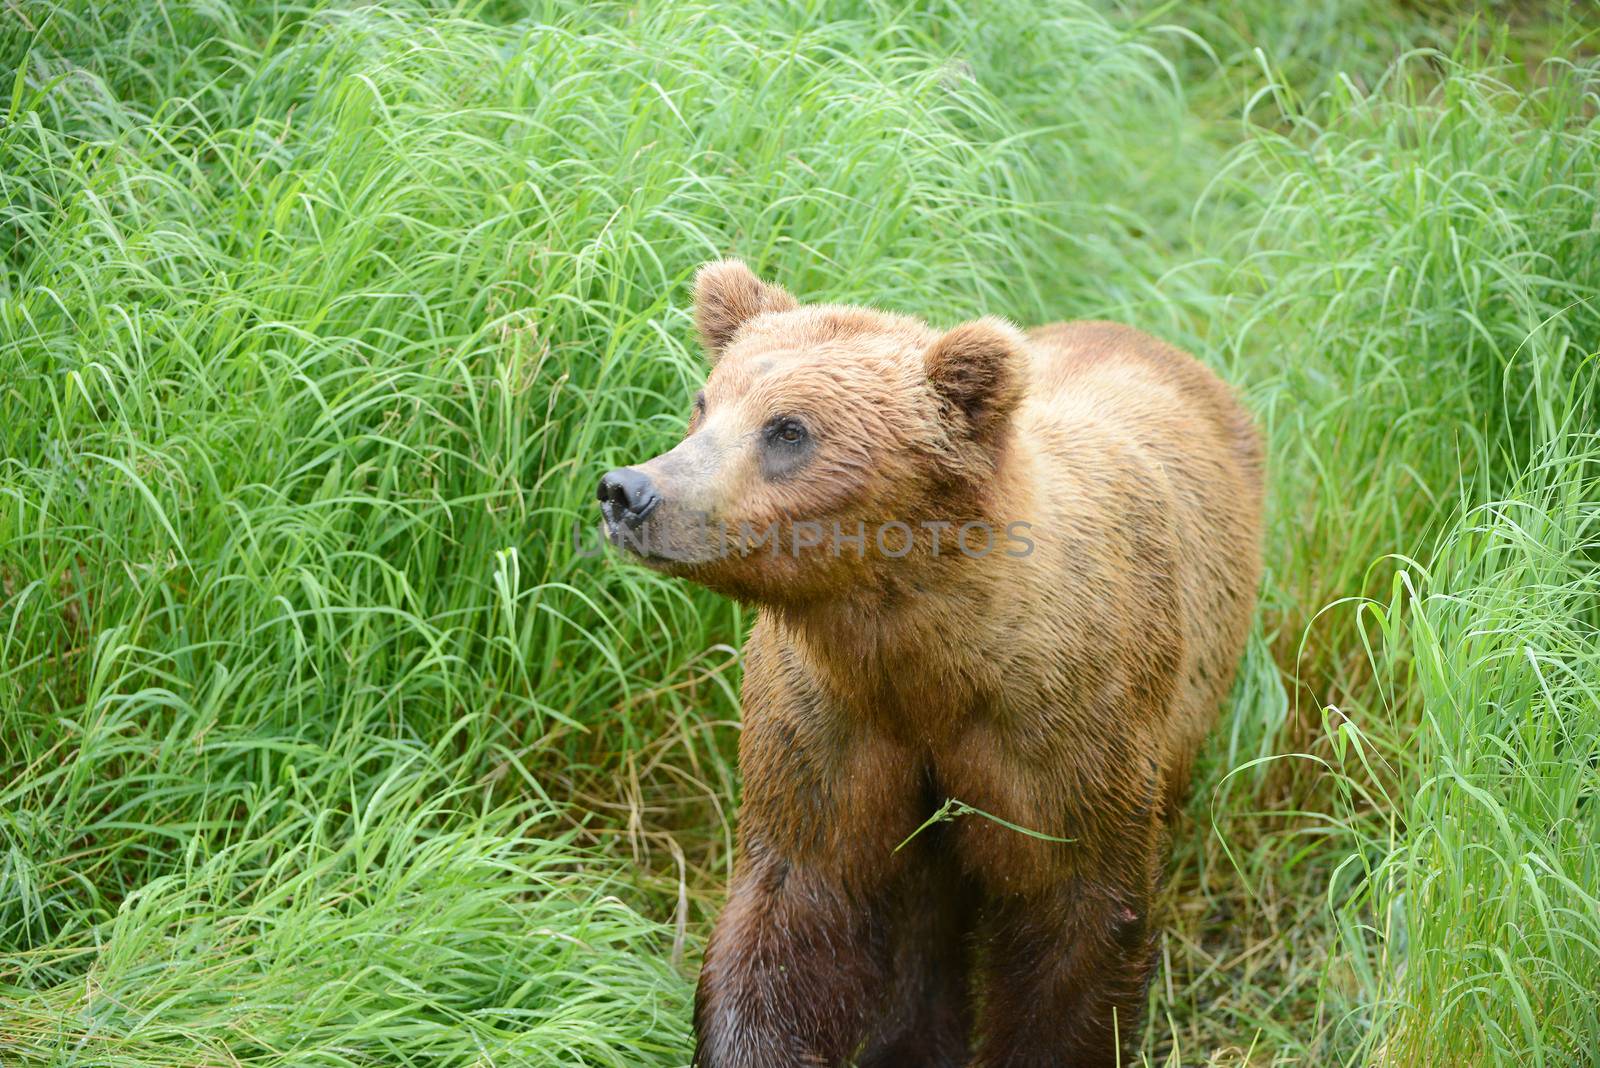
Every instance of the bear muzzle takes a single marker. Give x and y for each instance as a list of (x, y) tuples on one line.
[(627, 497), (639, 519)]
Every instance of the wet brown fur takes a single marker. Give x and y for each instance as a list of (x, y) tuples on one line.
[(1064, 691)]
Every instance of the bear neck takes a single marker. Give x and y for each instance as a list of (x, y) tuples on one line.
[(916, 652), (921, 638)]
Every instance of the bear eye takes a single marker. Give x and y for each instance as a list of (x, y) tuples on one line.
[(787, 430), (700, 403), (786, 447)]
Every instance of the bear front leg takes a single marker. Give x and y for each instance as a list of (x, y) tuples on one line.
[(1066, 975), (795, 967)]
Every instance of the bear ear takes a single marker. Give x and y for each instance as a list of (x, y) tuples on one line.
[(726, 296), (978, 370)]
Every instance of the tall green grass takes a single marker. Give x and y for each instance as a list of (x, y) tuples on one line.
[(319, 326), (1483, 917), (1416, 306), (323, 741)]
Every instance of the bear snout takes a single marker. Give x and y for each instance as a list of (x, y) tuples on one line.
[(627, 496)]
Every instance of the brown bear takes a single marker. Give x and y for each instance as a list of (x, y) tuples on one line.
[(1011, 569)]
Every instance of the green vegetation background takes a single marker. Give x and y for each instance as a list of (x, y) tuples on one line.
[(321, 745)]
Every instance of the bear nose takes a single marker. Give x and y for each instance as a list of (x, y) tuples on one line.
[(627, 496)]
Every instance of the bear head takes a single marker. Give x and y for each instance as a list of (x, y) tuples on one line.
[(829, 443)]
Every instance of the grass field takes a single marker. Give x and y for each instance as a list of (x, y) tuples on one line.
[(322, 743)]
